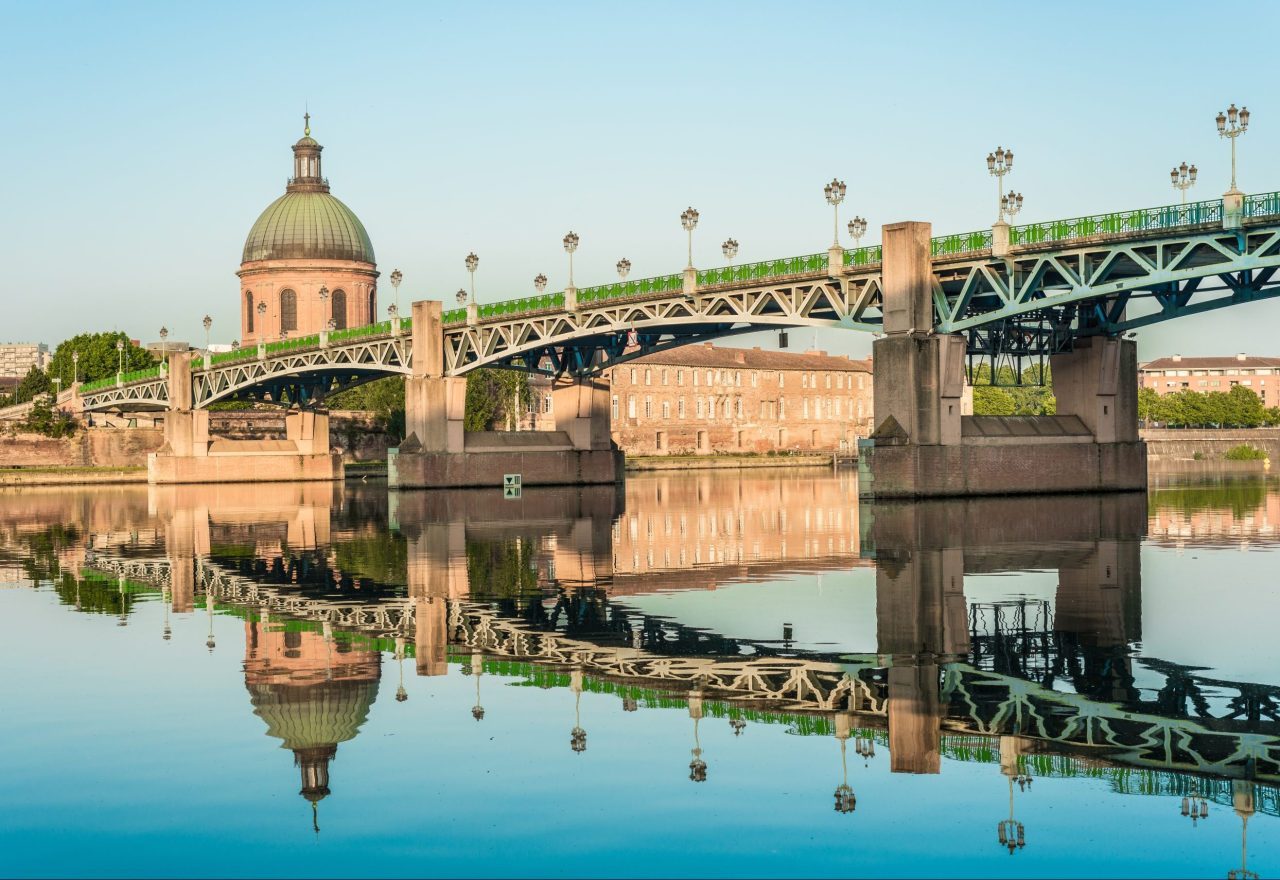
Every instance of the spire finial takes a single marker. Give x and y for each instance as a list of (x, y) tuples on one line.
[(306, 123)]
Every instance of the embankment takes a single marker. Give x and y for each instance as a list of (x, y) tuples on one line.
[(1172, 444)]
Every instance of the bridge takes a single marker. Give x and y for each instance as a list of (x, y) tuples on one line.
[(1068, 290)]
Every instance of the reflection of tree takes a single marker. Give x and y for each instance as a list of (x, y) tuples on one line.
[(40, 561), (502, 568), (95, 594), (379, 557), (1239, 496)]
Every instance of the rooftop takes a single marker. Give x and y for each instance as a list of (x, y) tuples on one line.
[(709, 355), (1230, 362)]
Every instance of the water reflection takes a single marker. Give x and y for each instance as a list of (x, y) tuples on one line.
[(544, 592)]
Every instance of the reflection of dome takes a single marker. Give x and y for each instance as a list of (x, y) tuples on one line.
[(308, 225), (321, 714)]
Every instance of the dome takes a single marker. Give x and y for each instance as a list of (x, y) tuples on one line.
[(313, 716), (308, 225)]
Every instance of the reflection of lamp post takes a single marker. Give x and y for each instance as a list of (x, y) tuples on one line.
[(167, 633), (697, 767), (845, 800), (577, 736), (477, 668), (401, 693), (1183, 177), (1195, 807), (1010, 832), (835, 192), (865, 746), (738, 725), (208, 603), (123, 621)]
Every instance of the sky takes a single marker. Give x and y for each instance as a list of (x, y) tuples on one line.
[(140, 141)]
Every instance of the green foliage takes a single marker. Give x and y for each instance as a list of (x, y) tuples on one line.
[(988, 400), (1148, 403), (494, 398), (1028, 394), (98, 357), (382, 397), (44, 419), (1244, 452), (381, 558), (1238, 408), (36, 382), (502, 567)]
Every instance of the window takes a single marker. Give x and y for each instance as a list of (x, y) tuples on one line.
[(373, 306), (828, 381), (633, 375), (805, 404), (664, 376), (837, 407), (711, 407), (679, 377), (680, 408), (708, 378), (613, 409), (755, 378), (782, 408), (340, 310), (695, 378), (546, 404), (737, 378), (698, 406), (631, 406), (859, 383), (648, 376), (648, 407), (666, 409), (781, 378), (288, 310), (804, 380), (840, 380), (248, 304), (739, 407)]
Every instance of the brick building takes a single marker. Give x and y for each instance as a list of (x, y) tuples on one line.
[(1169, 375), (703, 398)]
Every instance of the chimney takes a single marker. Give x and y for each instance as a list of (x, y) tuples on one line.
[(1177, 358), (739, 356), (1240, 356)]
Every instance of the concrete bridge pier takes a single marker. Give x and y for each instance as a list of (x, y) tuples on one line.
[(438, 453), (926, 444), (190, 455)]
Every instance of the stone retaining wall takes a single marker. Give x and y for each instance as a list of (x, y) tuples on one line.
[(1168, 444)]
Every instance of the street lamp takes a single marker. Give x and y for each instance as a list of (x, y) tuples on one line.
[(262, 313), (999, 164), (461, 297), (208, 322), (1010, 204), (164, 350), (1183, 177), (472, 262), (1010, 832), (857, 229), (1195, 807), (75, 368), (624, 269), (835, 192), (396, 277), (577, 736), (689, 221), (846, 802), (120, 360), (1231, 125), (729, 249), (571, 245)]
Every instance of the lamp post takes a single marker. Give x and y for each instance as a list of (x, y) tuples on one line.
[(119, 362), (1183, 177), (1195, 807), (835, 192), (624, 269), (396, 277), (164, 351), (577, 736), (323, 293), (571, 245), (208, 323), (1010, 204), (846, 802), (460, 297), (730, 249), (999, 164), (539, 283), (857, 229), (75, 368), (1232, 124), (477, 668), (697, 767), (472, 262), (208, 604), (689, 222), (262, 333)]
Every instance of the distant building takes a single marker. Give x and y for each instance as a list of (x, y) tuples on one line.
[(17, 359), (703, 399), (1169, 375)]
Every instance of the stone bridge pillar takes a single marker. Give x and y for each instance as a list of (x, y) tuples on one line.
[(434, 404), (581, 409), (926, 444)]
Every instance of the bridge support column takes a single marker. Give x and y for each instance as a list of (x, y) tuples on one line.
[(926, 444), (437, 453), (190, 455)]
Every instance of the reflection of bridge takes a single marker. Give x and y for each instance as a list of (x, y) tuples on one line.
[(1062, 682), (1066, 289)]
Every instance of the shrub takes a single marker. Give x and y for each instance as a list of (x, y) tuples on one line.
[(1199, 456), (1244, 452)]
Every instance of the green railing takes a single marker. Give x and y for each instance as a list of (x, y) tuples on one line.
[(1262, 205), (964, 243), (805, 265), (639, 287), (864, 256), (132, 376), (521, 306), (454, 316), (1142, 220)]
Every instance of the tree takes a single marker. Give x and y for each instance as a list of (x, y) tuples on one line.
[(44, 419), (493, 399), (1148, 404), (1244, 408), (988, 400), (36, 382), (382, 397), (98, 357)]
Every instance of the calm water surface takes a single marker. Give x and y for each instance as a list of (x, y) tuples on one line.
[(702, 674)]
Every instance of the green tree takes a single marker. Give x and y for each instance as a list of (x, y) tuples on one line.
[(98, 357), (382, 397), (44, 419), (988, 400), (36, 382), (1148, 403), (1244, 408), (494, 398)]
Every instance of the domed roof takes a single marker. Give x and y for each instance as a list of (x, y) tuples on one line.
[(308, 225), (311, 716)]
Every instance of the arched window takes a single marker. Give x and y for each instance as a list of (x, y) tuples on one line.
[(248, 306), (373, 305), (288, 310), (340, 310)]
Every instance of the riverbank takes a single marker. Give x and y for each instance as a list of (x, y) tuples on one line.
[(71, 476), (722, 462)]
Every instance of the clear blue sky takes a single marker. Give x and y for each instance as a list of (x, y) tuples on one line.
[(142, 140)]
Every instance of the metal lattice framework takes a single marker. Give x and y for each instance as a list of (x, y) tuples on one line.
[(1059, 281)]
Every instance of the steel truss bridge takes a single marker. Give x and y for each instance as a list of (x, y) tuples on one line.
[(1101, 275), (1195, 725)]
